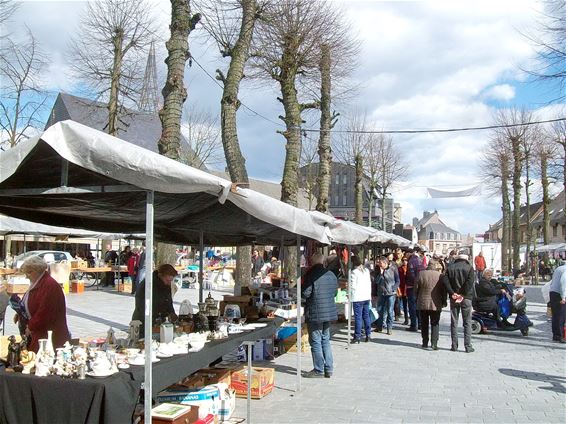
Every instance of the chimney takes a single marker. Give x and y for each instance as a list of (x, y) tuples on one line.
[(415, 221)]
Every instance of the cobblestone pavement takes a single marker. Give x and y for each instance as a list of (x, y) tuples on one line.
[(509, 378)]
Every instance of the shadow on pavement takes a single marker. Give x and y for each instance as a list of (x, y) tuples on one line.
[(94, 318), (557, 382)]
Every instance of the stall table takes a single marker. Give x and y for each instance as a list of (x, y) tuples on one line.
[(31, 399)]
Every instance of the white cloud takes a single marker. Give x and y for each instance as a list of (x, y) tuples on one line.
[(503, 92)]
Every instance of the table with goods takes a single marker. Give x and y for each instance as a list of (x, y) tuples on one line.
[(100, 379)]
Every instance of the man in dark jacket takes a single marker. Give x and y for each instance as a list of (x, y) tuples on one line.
[(319, 289), (459, 281), (486, 295)]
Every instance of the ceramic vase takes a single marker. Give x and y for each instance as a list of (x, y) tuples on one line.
[(49, 346)]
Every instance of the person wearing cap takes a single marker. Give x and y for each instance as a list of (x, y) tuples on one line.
[(162, 299), (459, 281)]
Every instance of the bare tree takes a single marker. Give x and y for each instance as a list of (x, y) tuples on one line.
[(231, 25), (350, 148), (202, 131), (545, 152), (558, 135), (7, 9), (308, 162), (513, 131), (550, 46), (105, 54), (385, 167), (495, 166), (23, 97)]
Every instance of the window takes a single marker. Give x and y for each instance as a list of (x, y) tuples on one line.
[(555, 230), (337, 178), (431, 236), (438, 236), (345, 179), (344, 199), (564, 231)]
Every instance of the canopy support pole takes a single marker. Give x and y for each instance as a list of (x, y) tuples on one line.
[(349, 302), (201, 268), (148, 305), (299, 315)]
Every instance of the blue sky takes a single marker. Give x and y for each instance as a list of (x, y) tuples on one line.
[(423, 64)]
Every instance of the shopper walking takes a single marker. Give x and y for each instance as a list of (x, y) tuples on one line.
[(360, 286), (459, 283), (387, 282), (414, 267), (319, 289), (431, 297), (558, 303), (479, 262)]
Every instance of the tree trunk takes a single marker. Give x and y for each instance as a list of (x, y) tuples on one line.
[(506, 213), (516, 236), (545, 198), (165, 253), (174, 92), (359, 164), (229, 107), (324, 149), (528, 216), (118, 40)]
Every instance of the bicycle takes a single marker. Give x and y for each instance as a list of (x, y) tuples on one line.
[(89, 279)]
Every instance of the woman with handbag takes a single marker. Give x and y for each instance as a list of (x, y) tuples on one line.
[(360, 284)]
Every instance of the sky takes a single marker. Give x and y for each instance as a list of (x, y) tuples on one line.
[(422, 65)]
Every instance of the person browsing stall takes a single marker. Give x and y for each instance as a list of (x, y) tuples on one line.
[(319, 289), (162, 299), (44, 307)]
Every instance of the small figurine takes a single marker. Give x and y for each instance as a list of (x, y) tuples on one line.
[(14, 350)]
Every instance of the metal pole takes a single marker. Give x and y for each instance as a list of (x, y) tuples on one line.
[(299, 316), (249, 344), (349, 303), (25, 250), (201, 268), (148, 305)]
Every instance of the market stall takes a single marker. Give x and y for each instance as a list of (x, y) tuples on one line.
[(87, 179)]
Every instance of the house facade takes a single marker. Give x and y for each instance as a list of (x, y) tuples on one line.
[(435, 234)]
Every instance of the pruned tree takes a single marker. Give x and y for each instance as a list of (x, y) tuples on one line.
[(202, 131), (513, 131), (350, 148), (558, 135), (385, 166), (528, 145), (309, 180), (106, 52), (551, 47), (231, 24), (544, 154), (22, 94), (495, 166)]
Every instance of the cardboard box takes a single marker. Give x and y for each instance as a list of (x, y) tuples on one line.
[(169, 413), (16, 288), (125, 287), (184, 395), (262, 381), (194, 381), (77, 286), (290, 343), (215, 376)]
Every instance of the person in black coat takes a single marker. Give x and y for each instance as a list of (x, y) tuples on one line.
[(162, 299), (319, 289), (486, 295)]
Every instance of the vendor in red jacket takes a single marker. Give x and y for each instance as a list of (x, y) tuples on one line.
[(44, 304)]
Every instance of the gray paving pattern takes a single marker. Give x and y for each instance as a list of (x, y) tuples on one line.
[(508, 379)]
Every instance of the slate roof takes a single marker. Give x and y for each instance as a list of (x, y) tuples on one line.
[(140, 128)]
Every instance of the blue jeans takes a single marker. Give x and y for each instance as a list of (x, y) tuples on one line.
[(412, 300), (361, 316), (385, 306), (319, 339)]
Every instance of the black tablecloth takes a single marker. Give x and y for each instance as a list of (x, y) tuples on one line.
[(169, 371), (29, 399)]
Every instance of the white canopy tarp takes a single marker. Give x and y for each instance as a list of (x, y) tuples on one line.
[(108, 178)]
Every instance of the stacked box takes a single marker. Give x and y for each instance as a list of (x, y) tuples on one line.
[(77, 286), (262, 381)]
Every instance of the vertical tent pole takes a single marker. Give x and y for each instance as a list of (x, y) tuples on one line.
[(201, 267), (349, 303), (25, 250), (148, 305), (249, 345), (299, 315)]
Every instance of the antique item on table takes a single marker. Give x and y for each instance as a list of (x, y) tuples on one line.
[(166, 332), (13, 359), (200, 323), (44, 359), (49, 344), (110, 337), (27, 360), (185, 310), (134, 332)]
